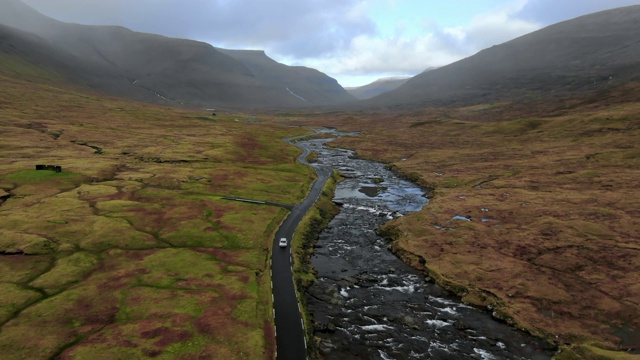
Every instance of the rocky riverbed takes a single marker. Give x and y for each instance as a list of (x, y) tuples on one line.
[(367, 304)]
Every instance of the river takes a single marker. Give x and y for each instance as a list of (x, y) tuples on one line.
[(368, 304)]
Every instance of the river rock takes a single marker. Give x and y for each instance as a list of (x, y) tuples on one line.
[(350, 280), (325, 328), (329, 294), (410, 322), (366, 280), (391, 311), (460, 325), (331, 327), (326, 347)]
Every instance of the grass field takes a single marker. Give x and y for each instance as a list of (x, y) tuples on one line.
[(130, 251), (551, 192)]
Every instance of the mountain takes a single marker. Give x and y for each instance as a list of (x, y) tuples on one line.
[(377, 87), (22, 52), (306, 84), (29, 56), (118, 61), (589, 53)]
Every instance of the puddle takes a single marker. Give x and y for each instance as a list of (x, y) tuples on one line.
[(630, 338)]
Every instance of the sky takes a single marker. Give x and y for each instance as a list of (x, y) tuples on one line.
[(353, 41)]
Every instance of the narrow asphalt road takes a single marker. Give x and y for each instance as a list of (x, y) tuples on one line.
[(290, 336), (258, 202)]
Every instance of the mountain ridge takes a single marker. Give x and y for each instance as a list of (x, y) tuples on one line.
[(178, 71), (294, 78), (588, 53), (593, 52)]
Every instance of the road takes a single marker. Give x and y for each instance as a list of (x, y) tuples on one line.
[(258, 202), (290, 336)]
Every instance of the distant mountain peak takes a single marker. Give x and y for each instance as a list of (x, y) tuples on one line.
[(377, 87), (391, 78)]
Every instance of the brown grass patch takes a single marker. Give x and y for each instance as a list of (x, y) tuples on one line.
[(554, 185)]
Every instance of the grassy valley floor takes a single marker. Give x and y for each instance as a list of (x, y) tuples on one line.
[(130, 251)]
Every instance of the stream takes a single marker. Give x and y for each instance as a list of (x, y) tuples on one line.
[(368, 304)]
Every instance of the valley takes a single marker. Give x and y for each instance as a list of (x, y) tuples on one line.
[(483, 209)]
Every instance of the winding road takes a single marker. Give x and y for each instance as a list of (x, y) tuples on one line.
[(290, 336)]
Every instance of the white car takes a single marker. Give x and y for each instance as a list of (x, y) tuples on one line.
[(283, 242)]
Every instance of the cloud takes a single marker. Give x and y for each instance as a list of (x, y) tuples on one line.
[(436, 46), (495, 27), (370, 56), (548, 12), (339, 38), (293, 28)]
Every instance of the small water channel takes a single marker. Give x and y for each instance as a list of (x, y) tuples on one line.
[(367, 304)]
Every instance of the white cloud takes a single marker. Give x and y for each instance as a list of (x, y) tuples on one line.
[(496, 27), (297, 28), (368, 54), (339, 38)]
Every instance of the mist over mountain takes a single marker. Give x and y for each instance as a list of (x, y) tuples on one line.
[(377, 87), (117, 61), (309, 84), (589, 53)]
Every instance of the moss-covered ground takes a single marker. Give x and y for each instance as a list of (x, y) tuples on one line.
[(130, 251)]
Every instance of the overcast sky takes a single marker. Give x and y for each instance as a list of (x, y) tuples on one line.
[(353, 41)]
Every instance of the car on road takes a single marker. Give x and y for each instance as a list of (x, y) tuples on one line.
[(283, 242)]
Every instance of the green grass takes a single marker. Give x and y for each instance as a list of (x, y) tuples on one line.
[(100, 233), (588, 352), (67, 270), (14, 66), (31, 176), (175, 301), (14, 298), (15, 242)]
